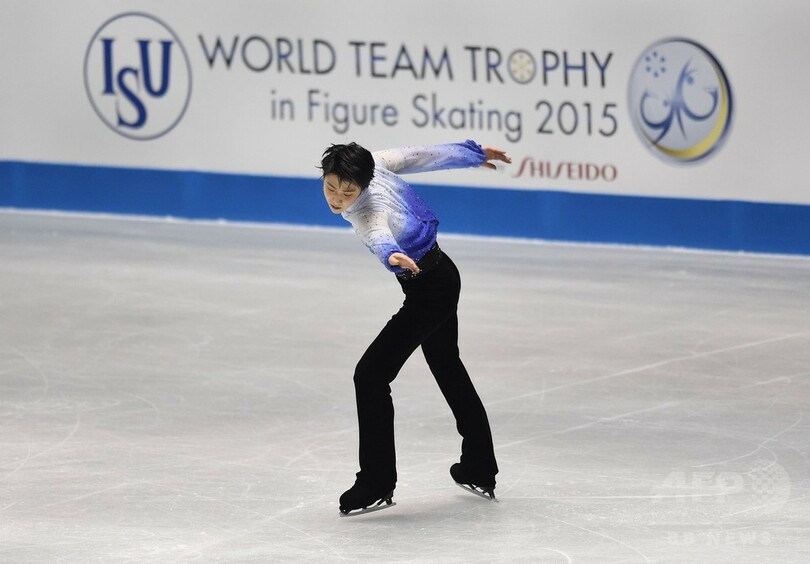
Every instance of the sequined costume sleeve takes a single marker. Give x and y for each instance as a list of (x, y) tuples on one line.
[(389, 216), (425, 158)]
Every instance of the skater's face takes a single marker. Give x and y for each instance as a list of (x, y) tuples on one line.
[(339, 195)]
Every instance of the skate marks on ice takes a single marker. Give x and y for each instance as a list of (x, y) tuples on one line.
[(702, 395), (175, 391)]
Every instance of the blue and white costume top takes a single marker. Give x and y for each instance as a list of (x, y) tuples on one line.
[(388, 215)]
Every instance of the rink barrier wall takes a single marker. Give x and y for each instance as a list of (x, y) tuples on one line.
[(547, 215)]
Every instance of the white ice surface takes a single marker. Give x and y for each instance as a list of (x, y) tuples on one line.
[(175, 392)]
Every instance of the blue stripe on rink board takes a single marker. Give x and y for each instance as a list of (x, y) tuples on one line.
[(540, 214)]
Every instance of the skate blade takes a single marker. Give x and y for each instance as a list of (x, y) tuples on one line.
[(382, 504), (479, 492)]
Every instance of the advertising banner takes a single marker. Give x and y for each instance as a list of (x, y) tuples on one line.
[(683, 101)]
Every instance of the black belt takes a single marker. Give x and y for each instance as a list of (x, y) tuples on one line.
[(425, 264)]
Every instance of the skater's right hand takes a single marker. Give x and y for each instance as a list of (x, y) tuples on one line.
[(403, 261)]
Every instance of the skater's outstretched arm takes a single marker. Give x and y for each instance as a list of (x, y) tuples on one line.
[(426, 158)]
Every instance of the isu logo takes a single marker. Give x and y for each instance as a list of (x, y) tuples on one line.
[(137, 75), (680, 100)]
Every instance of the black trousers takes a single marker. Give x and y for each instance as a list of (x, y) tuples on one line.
[(428, 319)]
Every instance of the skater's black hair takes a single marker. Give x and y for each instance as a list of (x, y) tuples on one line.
[(351, 163)]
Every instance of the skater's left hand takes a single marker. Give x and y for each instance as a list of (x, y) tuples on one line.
[(494, 154), (403, 261)]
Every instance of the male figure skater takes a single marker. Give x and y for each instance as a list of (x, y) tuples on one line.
[(400, 229)]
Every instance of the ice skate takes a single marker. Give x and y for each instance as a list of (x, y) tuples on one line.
[(467, 483), (360, 499)]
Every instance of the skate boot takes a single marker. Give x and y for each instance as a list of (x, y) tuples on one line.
[(466, 481), (360, 499)]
